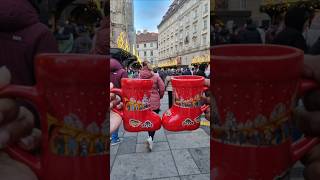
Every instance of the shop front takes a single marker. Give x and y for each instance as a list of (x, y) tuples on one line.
[(170, 63), (204, 59)]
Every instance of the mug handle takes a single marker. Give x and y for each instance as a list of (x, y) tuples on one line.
[(117, 92), (30, 94), (205, 106), (305, 144)]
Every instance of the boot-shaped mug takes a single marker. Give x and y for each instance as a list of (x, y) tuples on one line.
[(136, 113), (185, 114)]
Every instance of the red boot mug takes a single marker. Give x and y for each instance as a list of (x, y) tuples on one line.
[(69, 97), (185, 113), (255, 89), (136, 113)]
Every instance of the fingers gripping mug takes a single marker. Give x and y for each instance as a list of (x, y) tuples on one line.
[(185, 114), (68, 96), (255, 88), (136, 113)]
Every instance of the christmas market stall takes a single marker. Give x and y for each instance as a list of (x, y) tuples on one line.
[(276, 9)]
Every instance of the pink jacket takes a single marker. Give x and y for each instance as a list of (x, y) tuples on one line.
[(157, 91)]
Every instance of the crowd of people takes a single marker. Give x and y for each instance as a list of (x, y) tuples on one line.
[(74, 38), (290, 31)]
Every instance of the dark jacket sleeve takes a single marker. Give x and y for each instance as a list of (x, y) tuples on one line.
[(46, 43), (315, 49), (300, 43)]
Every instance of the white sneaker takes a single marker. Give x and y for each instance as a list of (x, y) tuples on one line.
[(150, 143)]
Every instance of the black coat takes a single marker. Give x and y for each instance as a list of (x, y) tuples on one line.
[(315, 49), (201, 73), (250, 35), (291, 37)]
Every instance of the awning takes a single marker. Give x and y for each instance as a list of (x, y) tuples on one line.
[(201, 59)]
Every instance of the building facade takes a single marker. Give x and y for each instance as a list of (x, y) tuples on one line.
[(184, 32), (147, 46), (121, 15)]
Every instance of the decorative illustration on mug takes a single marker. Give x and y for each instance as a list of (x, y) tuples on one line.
[(70, 138), (137, 105), (191, 102), (257, 132), (188, 122)]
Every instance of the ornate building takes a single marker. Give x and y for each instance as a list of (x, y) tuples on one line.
[(184, 32), (122, 22)]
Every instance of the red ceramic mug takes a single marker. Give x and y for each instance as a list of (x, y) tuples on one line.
[(255, 88), (68, 96), (185, 114), (136, 113)]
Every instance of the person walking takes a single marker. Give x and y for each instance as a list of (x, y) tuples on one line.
[(250, 34), (157, 93), (168, 88), (82, 44), (295, 21), (201, 71)]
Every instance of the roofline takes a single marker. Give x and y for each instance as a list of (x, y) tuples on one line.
[(171, 13)]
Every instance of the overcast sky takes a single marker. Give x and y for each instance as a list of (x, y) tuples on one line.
[(148, 13)]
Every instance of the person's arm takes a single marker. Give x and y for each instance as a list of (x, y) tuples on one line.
[(300, 43)]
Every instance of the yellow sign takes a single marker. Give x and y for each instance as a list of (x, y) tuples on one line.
[(122, 42), (135, 52), (201, 59), (168, 63)]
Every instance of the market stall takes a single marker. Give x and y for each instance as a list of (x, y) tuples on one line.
[(276, 8)]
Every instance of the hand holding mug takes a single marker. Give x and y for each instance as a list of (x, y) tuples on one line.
[(255, 93), (207, 100), (15, 127), (115, 119), (16, 123), (308, 120)]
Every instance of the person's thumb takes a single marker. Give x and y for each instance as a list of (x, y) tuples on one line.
[(5, 76)]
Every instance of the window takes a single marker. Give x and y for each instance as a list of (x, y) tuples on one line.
[(145, 45), (151, 44), (205, 24), (194, 28), (186, 41), (151, 53), (145, 52), (243, 4), (195, 13), (204, 39), (137, 45), (205, 8)]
